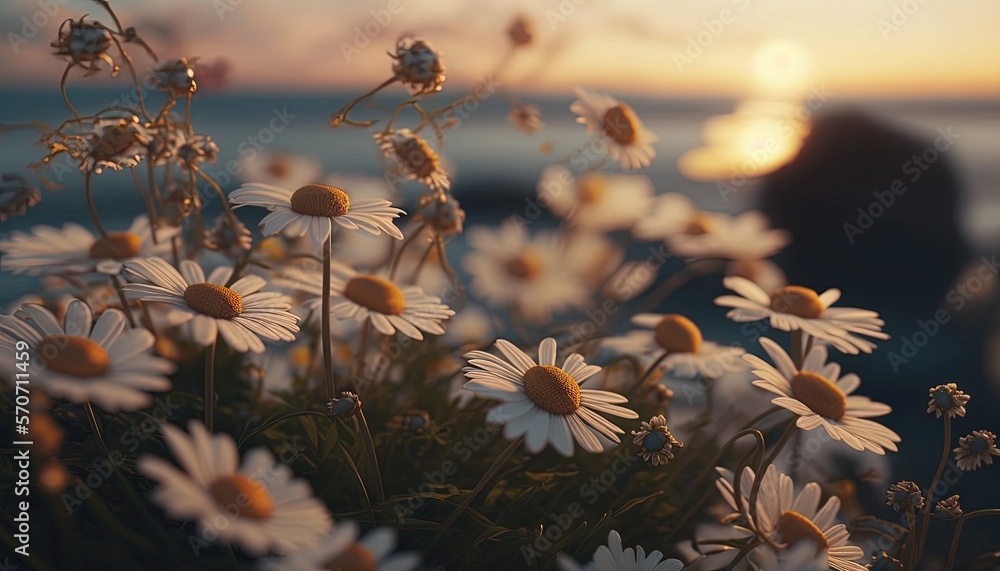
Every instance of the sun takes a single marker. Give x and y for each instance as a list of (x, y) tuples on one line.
[(780, 68)]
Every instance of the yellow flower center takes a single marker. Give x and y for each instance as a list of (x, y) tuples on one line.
[(819, 394), (678, 334), (376, 294), (525, 267), (354, 558), (118, 245), (214, 300), (797, 300), (552, 389), (249, 498), (795, 527), (113, 141), (320, 200), (700, 223), (621, 124), (72, 355), (418, 156), (590, 187)]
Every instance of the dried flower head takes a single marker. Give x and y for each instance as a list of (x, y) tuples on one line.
[(414, 158), (197, 149), (442, 213), (521, 31), (947, 399), (527, 118), (656, 441), (948, 508), (346, 406), (112, 143), (85, 43), (884, 562), (975, 449), (418, 66), (175, 77), (411, 421), (179, 204), (903, 495), (222, 237), (17, 195)]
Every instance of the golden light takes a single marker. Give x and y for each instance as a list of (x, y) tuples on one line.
[(780, 68)]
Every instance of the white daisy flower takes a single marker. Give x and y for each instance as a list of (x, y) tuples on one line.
[(746, 236), (794, 308), (341, 549), (629, 142), (819, 396), (257, 505), (766, 274), (688, 354), (85, 361), (413, 157), (543, 402), (613, 558), (390, 307), (74, 250), (786, 521), (313, 209), (668, 215), (530, 275), (284, 170), (241, 312), (594, 200)]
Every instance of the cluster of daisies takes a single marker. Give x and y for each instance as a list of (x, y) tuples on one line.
[(330, 266)]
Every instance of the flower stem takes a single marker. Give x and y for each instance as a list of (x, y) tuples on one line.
[(331, 389), (124, 300), (276, 420), (798, 348), (96, 427), (494, 469), (366, 436), (926, 519), (94, 217), (651, 368), (958, 532), (210, 387)]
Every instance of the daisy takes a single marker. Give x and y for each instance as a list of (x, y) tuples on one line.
[(527, 118), (529, 275), (314, 208), (794, 308), (668, 215), (688, 355), (766, 274), (947, 399), (114, 144), (84, 361), (629, 142), (746, 236), (543, 402), (656, 441), (341, 549), (594, 200), (413, 157), (241, 312), (418, 66), (819, 396), (785, 520), (74, 250), (85, 42), (976, 449), (16, 195), (390, 307), (258, 504), (175, 77), (612, 557)]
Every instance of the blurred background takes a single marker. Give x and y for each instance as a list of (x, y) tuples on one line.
[(809, 111)]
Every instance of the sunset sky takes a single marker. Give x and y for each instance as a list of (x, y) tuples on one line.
[(863, 47)]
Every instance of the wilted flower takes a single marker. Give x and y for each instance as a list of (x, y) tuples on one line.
[(947, 399), (884, 562), (222, 237), (84, 43), (175, 77), (112, 143), (197, 149), (520, 31), (346, 406), (442, 213), (904, 495), (656, 441), (527, 118), (418, 66), (975, 449), (414, 157), (16, 195), (948, 508)]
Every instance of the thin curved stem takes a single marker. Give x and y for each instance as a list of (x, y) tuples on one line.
[(331, 388), (651, 368), (210, 387), (755, 489), (116, 282), (95, 425), (154, 220), (402, 248), (62, 87), (958, 533), (926, 519), (366, 436), (340, 117), (277, 420)]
